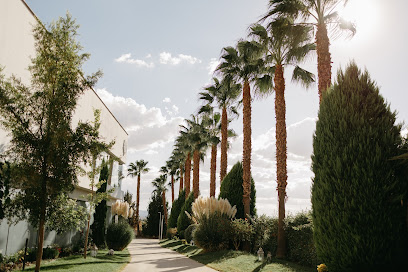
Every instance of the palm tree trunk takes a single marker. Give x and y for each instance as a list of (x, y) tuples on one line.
[(137, 204), (281, 156), (181, 179), (323, 59), (213, 169), (224, 142), (196, 173), (246, 158), (187, 174), (172, 188), (164, 207)]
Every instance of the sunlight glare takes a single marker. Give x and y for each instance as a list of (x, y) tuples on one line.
[(364, 13)]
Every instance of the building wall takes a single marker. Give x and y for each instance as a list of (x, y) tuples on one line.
[(16, 50)]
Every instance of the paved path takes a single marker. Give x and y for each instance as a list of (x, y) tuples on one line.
[(148, 256)]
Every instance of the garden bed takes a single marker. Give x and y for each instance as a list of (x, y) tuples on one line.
[(234, 261)]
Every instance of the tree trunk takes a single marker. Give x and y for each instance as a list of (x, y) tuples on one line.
[(164, 207), (137, 204), (172, 188), (86, 236), (187, 174), (196, 173), (281, 156), (224, 142), (246, 158), (213, 169), (41, 230), (181, 179), (323, 59)]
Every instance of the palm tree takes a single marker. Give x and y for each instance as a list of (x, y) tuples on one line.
[(183, 145), (224, 94), (320, 14), (198, 136), (136, 169), (177, 158), (244, 64), (284, 44), (172, 170), (160, 188)]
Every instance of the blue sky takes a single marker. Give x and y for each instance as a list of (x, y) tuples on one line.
[(156, 56)]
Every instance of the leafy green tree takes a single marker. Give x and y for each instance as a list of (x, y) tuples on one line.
[(160, 188), (135, 170), (176, 209), (231, 189), (357, 189), (153, 216), (46, 148), (98, 227), (183, 221), (284, 44), (319, 14), (128, 197), (5, 176)]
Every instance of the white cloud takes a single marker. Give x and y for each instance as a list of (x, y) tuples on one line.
[(147, 127), (175, 109), (127, 58), (212, 65), (148, 56), (167, 58), (166, 100)]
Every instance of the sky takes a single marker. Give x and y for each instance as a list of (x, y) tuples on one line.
[(157, 55)]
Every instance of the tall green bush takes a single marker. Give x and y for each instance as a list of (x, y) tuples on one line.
[(98, 227), (231, 189), (176, 209), (265, 231), (119, 235), (357, 188), (183, 220), (153, 216)]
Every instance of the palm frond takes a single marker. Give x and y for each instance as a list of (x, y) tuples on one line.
[(305, 78)]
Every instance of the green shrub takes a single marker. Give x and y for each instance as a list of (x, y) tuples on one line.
[(189, 232), (213, 233), (183, 220), (231, 189), (171, 233), (299, 234), (151, 229), (176, 209), (357, 189), (265, 233), (119, 235), (50, 253), (241, 232)]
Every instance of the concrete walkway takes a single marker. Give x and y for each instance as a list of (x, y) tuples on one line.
[(148, 256)]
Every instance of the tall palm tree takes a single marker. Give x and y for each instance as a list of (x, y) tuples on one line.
[(177, 158), (172, 168), (183, 145), (320, 14), (224, 94), (198, 136), (245, 65), (160, 188), (284, 45), (136, 169)]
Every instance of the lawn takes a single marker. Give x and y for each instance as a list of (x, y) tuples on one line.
[(233, 261), (101, 263)]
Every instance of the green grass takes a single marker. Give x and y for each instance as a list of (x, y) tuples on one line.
[(233, 261), (101, 263)]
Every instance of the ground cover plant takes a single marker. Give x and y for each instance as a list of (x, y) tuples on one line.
[(232, 261)]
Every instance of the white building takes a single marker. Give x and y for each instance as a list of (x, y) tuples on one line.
[(16, 49)]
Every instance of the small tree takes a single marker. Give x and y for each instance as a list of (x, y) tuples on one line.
[(5, 176), (231, 189), (153, 216), (183, 220), (45, 147), (176, 209), (357, 188), (99, 225)]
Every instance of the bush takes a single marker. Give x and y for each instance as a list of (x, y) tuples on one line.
[(357, 189), (265, 233), (50, 253), (119, 235), (151, 229), (213, 233), (176, 209), (183, 220), (299, 234), (171, 233), (189, 232), (241, 232), (231, 189)]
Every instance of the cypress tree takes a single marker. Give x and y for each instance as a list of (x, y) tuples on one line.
[(153, 216), (231, 189), (98, 227), (357, 188), (176, 209), (183, 221)]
